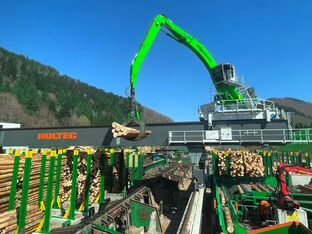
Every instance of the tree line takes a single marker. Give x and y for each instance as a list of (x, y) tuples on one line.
[(35, 85)]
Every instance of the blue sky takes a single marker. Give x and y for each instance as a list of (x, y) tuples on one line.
[(269, 42)]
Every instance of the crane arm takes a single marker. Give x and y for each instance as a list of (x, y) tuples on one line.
[(284, 200), (223, 75), (179, 35)]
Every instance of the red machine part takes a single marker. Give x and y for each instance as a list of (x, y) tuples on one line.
[(283, 198)]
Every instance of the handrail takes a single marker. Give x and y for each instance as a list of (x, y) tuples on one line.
[(242, 136)]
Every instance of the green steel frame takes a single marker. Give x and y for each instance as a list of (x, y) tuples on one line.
[(74, 186), (24, 197), (88, 179), (270, 159), (42, 176), (55, 167), (227, 91), (14, 179), (47, 213), (58, 178), (102, 182)]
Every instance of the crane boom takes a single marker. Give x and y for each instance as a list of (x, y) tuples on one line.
[(222, 75), (222, 80)]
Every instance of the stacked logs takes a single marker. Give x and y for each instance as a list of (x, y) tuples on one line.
[(6, 171), (9, 221), (254, 164), (229, 222), (95, 174), (126, 132), (35, 178), (147, 149), (241, 163)]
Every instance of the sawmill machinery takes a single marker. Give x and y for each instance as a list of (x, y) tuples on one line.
[(233, 101), (236, 116), (284, 201)]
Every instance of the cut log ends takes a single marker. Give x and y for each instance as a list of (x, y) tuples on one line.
[(126, 132)]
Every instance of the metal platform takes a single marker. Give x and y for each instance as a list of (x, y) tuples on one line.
[(241, 136), (186, 133)]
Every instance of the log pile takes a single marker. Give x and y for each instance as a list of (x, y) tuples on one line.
[(6, 171), (147, 149), (241, 163), (229, 222), (35, 178), (9, 221), (126, 132), (95, 175)]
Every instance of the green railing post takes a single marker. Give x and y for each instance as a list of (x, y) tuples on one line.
[(47, 213), (166, 161), (287, 158), (265, 164), (269, 158), (14, 179), (88, 179), (127, 167), (133, 169), (24, 197), (227, 163), (307, 160), (102, 182), (42, 176), (111, 165), (292, 158), (74, 186), (58, 178), (139, 166)]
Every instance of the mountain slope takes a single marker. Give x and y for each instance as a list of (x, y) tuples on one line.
[(303, 110), (37, 95)]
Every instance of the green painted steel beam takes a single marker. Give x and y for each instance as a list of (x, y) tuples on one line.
[(307, 160), (184, 38), (24, 196), (111, 164), (227, 163), (139, 167), (121, 173), (74, 186), (17, 158), (133, 169), (58, 178), (42, 176), (88, 179), (102, 181), (127, 166), (47, 213)]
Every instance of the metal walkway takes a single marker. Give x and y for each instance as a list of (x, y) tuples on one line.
[(246, 136)]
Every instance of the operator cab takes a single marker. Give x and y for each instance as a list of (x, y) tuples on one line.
[(224, 75)]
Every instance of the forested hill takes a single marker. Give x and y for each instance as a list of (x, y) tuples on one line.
[(37, 95), (301, 111)]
